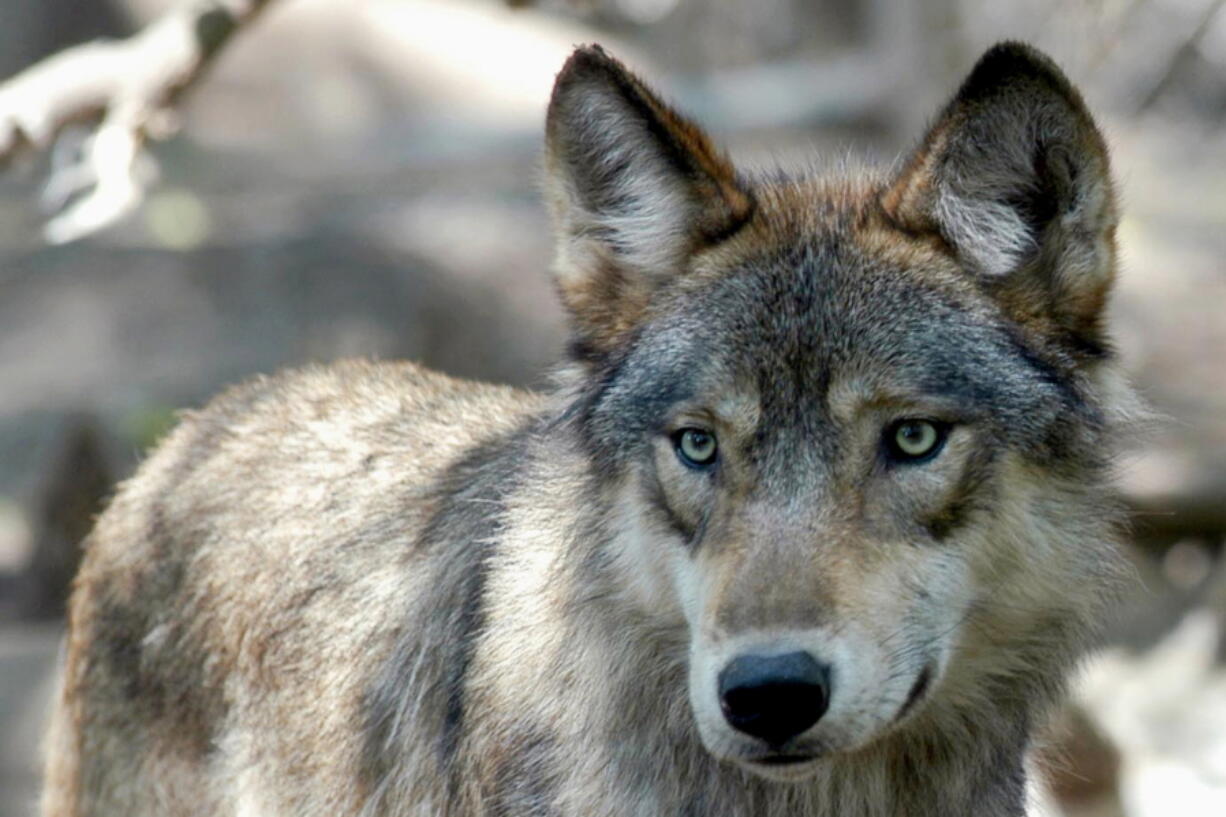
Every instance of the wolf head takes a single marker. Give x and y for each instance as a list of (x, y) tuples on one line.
[(854, 430)]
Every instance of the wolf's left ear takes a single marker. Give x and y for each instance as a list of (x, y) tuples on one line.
[(1014, 178), (635, 189)]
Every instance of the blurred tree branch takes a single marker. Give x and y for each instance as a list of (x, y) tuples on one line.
[(1189, 47), (126, 90)]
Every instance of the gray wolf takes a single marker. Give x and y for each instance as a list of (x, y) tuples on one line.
[(813, 523)]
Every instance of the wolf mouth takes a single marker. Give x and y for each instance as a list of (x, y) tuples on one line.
[(784, 760), (918, 689), (783, 768)]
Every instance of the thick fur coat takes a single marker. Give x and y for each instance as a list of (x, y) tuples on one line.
[(837, 441)]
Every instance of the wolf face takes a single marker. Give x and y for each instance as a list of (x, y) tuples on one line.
[(855, 429)]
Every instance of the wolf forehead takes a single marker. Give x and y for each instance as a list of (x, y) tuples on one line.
[(817, 296)]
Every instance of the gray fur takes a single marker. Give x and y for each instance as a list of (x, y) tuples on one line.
[(373, 590)]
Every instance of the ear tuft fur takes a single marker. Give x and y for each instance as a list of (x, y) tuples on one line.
[(635, 189), (1014, 177)]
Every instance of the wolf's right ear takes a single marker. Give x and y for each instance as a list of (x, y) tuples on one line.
[(635, 190)]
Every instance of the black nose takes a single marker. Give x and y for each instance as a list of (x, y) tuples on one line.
[(774, 697)]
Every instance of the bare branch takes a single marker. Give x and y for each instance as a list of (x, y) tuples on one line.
[(128, 88)]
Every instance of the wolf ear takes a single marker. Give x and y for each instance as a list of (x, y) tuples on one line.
[(635, 190), (1014, 178)]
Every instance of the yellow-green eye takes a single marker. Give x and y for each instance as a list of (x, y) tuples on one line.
[(913, 440), (695, 447)]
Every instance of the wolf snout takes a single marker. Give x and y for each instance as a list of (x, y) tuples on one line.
[(774, 697)]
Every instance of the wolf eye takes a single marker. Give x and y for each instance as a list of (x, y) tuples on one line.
[(695, 447), (915, 440)]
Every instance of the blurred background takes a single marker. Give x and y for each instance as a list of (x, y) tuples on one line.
[(359, 177)]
